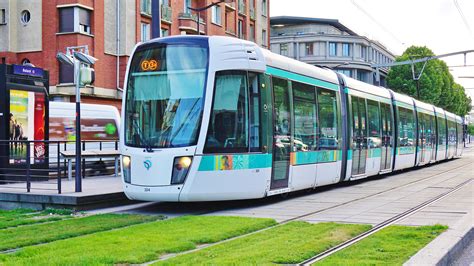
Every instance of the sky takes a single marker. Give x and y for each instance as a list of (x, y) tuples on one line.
[(444, 26)]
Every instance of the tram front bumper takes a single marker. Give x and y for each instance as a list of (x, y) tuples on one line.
[(150, 193)]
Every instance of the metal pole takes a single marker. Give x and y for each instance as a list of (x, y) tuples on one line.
[(418, 89), (78, 128), (155, 19), (28, 164), (199, 33)]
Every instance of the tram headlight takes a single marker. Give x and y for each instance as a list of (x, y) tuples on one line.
[(126, 169), (181, 167)]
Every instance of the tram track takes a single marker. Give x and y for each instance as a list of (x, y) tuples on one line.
[(383, 225), (347, 243)]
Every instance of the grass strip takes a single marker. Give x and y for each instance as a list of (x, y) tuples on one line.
[(287, 244), (17, 217), (11, 238), (138, 243), (390, 246)]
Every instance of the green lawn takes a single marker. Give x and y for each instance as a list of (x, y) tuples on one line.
[(287, 244), (12, 218), (41, 233), (391, 246), (137, 243)]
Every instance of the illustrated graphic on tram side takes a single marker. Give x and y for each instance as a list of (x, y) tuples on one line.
[(220, 118)]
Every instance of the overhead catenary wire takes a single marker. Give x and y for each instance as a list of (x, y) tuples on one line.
[(461, 14), (377, 22)]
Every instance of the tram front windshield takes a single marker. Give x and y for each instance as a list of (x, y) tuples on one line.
[(164, 96)]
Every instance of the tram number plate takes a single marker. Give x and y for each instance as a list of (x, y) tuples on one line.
[(147, 189)]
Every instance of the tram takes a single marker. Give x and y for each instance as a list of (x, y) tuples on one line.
[(212, 118)]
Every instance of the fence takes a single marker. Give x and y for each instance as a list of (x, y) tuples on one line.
[(25, 163)]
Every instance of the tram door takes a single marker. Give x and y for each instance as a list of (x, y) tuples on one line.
[(433, 137), (281, 134), (359, 135), (386, 115)]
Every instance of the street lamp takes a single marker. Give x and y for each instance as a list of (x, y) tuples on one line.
[(198, 10), (76, 60)]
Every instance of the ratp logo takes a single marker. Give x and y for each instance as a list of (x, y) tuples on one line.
[(147, 164)]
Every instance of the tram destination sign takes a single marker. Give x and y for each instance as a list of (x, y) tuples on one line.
[(27, 70)]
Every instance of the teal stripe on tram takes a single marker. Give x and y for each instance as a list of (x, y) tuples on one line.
[(301, 78), (312, 157), (235, 162), (375, 152), (405, 150)]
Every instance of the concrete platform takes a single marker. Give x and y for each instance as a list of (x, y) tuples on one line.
[(97, 192)]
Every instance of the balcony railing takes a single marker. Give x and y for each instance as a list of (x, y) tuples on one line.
[(242, 9), (166, 13), (187, 22)]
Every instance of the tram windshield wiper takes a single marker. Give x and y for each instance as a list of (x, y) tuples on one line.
[(143, 140)]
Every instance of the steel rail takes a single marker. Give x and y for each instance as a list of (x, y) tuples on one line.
[(383, 225)]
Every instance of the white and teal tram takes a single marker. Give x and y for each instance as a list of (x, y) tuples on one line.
[(218, 118)]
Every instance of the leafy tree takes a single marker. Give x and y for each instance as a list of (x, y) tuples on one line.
[(436, 84)]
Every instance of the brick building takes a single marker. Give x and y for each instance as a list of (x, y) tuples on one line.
[(33, 31)]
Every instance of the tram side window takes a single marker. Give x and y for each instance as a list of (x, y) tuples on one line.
[(373, 111), (304, 105), (441, 132), (228, 125), (406, 127), (255, 133), (328, 124)]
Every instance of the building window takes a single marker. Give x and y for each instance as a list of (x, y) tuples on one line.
[(309, 48), (145, 7), (252, 33), (187, 4), (362, 76), (165, 32), (25, 16), (362, 51), (240, 29), (346, 49), (332, 49), (216, 15), (75, 19), (145, 32), (346, 72), (284, 49), (3, 16), (264, 8), (264, 38)]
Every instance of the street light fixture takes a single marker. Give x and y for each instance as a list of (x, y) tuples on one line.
[(198, 10), (76, 60)]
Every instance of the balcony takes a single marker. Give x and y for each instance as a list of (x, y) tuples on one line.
[(188, 23), (230, 6), (166, 14), (242, 9), (252, 13)]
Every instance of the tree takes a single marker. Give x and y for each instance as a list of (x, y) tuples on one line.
[(436, 84)]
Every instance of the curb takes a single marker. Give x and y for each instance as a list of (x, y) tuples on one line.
[(446, 248)]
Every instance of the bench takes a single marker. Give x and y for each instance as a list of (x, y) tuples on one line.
[(70, 155)]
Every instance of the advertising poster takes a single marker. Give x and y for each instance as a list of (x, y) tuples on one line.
[(97, 129), (19, 105), (27, 122), (39, 117)]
